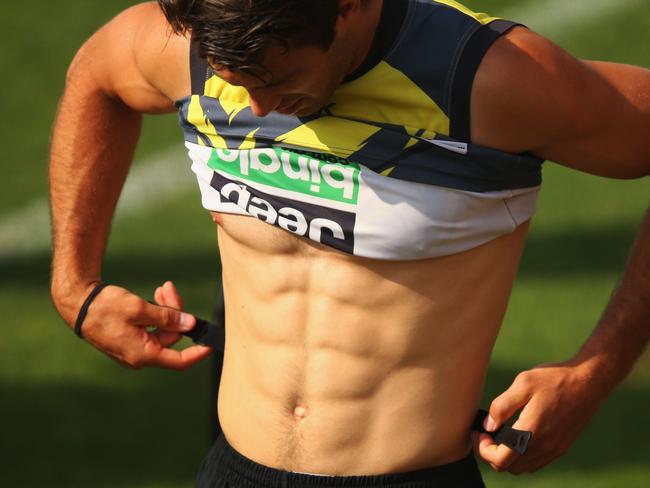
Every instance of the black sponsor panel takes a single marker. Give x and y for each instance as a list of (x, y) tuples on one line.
[(329, 226)]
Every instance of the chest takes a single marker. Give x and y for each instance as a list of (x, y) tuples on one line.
[(252, 234)]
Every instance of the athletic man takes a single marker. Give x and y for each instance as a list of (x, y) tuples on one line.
[(390, 153)]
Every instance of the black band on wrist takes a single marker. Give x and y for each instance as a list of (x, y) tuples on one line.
[(84, 308)]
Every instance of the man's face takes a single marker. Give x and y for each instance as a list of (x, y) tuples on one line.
[(299, 82)]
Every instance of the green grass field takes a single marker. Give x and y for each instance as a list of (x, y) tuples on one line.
[(71, 417)]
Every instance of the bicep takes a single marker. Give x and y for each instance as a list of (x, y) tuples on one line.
[(121, 59), (531, 96)]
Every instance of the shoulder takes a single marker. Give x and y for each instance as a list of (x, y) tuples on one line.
[(137, 57), (161, 55), (525, 92)]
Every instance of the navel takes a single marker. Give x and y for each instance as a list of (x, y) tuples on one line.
[(300, 412)]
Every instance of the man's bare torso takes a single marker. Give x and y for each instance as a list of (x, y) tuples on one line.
[(337, 365)]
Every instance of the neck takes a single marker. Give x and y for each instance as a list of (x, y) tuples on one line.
[(366, 29)]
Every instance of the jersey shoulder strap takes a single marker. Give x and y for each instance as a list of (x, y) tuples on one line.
[(465, 72), (199, 71), (440, 49)]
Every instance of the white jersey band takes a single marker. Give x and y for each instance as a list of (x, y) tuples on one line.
[(353, 209)]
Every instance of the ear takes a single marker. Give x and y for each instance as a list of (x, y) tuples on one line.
[(346, 7), (349, 12)]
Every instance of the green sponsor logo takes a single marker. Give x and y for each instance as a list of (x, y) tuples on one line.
[(320, 176)]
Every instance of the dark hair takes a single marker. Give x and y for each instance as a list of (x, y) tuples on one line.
[(235, 34)]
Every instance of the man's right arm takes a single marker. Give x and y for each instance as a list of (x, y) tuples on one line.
[(129, 67)]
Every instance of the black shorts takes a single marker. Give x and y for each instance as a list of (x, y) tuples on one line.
[(224, 467)]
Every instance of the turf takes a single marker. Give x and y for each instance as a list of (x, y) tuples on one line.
[(72, 417)]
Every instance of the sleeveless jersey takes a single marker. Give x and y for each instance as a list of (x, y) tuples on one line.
[(386, 170)]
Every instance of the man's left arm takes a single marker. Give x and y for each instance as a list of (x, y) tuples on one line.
[(593, 117)]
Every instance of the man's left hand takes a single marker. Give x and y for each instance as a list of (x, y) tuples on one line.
[(558, 401)]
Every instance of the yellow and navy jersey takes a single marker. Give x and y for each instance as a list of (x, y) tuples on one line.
[(386, 170)]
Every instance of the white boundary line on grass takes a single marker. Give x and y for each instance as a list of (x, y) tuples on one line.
[(166, 174), (150, 182), (555, 18)]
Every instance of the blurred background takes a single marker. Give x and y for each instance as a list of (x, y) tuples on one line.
[(70, 416)]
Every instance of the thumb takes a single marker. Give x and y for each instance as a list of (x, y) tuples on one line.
[(167, 318), (505, 405)]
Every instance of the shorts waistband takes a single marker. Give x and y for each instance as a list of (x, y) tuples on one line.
[(462, 473)]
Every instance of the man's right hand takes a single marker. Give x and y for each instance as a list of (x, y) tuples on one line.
[(118, 324)]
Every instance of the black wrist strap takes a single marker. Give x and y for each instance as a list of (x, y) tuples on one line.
[(515, 439), (84, 308), (207, 334)]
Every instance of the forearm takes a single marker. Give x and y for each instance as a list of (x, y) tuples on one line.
[(558, 400), (624, 329), (92, 147)]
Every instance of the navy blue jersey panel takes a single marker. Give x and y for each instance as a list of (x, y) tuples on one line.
[(465, 73), (431, 46), (480, 170)]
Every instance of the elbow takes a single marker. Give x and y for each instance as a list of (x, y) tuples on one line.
[(642, 169), (636, 167), (636, 172)]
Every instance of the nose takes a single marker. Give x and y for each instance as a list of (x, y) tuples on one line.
[(264, 105)]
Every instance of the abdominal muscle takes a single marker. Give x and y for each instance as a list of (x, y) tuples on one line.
[(341, 365)]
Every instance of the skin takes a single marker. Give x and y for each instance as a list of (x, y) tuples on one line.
[(295, 82), (338, 381)]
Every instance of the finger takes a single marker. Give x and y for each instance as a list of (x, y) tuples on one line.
[(172, 359), (159, 296), (146, 314), (505, 405), (166, 338), (499, 456), (172, 297), (526, 464), (521, 467)]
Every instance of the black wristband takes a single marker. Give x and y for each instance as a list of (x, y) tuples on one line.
[(84, 308)]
